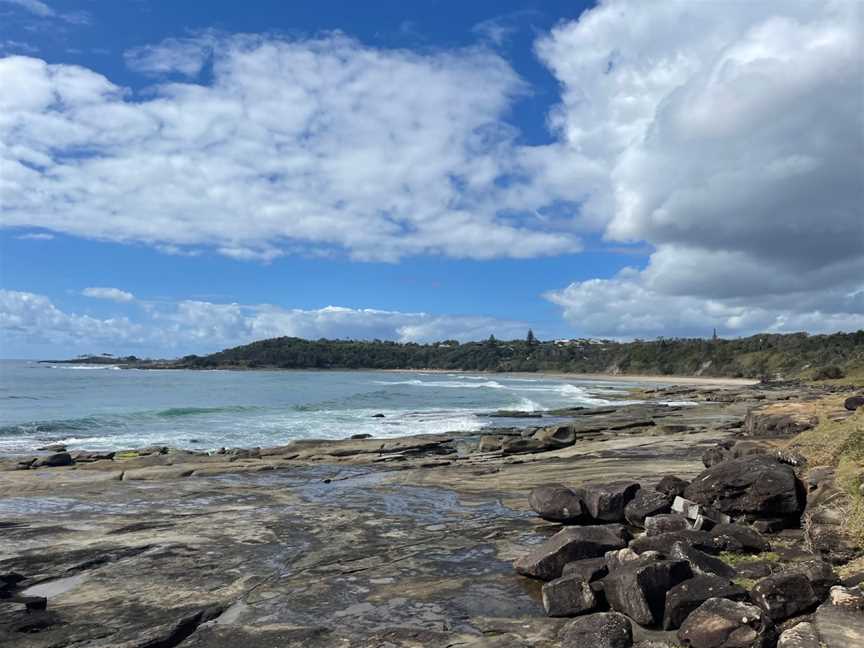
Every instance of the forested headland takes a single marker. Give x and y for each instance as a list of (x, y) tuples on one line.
[(796, 355)]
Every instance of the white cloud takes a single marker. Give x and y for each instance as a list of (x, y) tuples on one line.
[(625, 307), (30, 317), (36, 7), (732, 140), (112, 294), (310, 145), (177, 328), (35, 236)]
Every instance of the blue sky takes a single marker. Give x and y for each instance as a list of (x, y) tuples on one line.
[(220, 172)]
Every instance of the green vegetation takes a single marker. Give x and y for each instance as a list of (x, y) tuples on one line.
[(796, 355), (839, 442)]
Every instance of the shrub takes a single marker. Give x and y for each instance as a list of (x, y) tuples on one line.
[(830, 372)]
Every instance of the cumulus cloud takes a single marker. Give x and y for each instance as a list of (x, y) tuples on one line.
[(33, 318), (43, 10), (200, 326), (112, 294), (732, 140), (313, 145)]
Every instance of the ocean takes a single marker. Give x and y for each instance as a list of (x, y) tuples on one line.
[(109, 408)]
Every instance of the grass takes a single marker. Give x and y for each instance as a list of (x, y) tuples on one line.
[(737, 559), (839, 444)]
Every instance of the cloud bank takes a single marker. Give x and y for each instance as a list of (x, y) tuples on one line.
[(32, 321), (112, 294), (732, 140)]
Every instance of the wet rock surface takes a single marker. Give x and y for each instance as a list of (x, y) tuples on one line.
[(388, 542)]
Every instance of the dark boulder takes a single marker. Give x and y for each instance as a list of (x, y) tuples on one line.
[(821, 575), (603, 630), (672, 486), (757, 484), (738, 538), (721, 623), (547, 560), (717, 454), (54, 460), (639, 589), (622, 557), (685, 597), (590, 569), (556, 502), (663, 542), (784, 595), (700, 562), (825, 530), (646, 503), (664, 523), (779, 420), (606, 502), (853, 403), (567, 596)]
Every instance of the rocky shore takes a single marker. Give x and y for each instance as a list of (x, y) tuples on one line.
[(652, 525)]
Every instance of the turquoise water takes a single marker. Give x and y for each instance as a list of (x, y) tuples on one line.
[(88, 407)]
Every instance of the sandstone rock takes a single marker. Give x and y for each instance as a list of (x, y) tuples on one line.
[(700, 562), (769, 525), (619, 558), (663, 542), (717, 454), (685, 597), (779, 420), (639, 590), (853, 403), (489, 443), (672, 486), (824, 523), (559, 436), (644, 504), (573, 543), (839, 626), (53, 447), (567, 596), (802, 635), (657, 524), (721, 623), (57, 459), (757, 484), (606, 502), (590, 569), (738, 538), (851, 597), (520, 446), (603, 630), (556, 502), (784, 595)]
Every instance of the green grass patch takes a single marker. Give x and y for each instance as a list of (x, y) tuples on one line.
[(736, 559)]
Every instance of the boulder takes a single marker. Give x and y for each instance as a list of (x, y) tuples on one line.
[(556, 502), (717, 454), (646, 503), (700, 562), (590, 569), (821, 575), (757, 484), (559, 436), (521, 446), (489, 443), (672, 486), (770, 525), (685, 597), (840, 621), (57, 459), (739, 538), (567, 596), (621, 557), (53, 447), (802, 635), (603, 630), (639, 589), (663, 542), (784, 595), (546, 560), (606, 502), (721, 623), (664, 523), (853, 403)]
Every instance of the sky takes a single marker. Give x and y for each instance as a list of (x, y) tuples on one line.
[(183, 177)]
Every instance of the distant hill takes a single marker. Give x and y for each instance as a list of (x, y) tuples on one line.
[(768, 355)]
